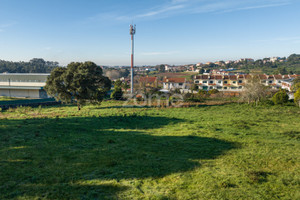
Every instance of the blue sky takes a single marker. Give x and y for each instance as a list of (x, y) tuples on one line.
[(168, 31)]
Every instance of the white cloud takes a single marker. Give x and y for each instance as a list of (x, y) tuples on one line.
[(256, 7), (177, 7), (160, 11)]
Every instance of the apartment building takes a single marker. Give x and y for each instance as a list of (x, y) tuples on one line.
[(236, 83)]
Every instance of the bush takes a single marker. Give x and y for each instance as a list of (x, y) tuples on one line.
[(280, 97), (203, 92), (213, 91), (117, 94), (267, 102), (189, 97), (177, 91), (297, 97)]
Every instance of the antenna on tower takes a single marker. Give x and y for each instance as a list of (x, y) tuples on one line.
[(132, 33)]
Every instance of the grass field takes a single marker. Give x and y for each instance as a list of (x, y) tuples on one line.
[(2, 98), (111, 152)]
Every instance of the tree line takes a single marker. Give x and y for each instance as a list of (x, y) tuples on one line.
[(35, 65), (290, 65)]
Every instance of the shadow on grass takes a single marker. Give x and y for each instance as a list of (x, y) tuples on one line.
[(85, 158)]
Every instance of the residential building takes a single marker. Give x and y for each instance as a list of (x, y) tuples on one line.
[(174, 83), (237, 82), (147, 81)]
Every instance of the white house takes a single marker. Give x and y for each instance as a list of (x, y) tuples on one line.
[(174, 83)]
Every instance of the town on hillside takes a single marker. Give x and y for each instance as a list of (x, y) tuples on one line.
[(228, 77)]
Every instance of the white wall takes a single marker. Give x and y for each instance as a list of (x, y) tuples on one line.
[(24, 84), (20, 93)]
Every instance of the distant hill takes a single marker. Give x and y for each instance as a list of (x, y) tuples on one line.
[(36, 65)]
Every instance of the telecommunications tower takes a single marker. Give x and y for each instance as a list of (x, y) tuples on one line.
[(132, 33)]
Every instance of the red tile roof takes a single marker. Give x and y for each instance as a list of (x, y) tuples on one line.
[(278, 76), (248, 76), (174, 80), (233, 77), (264, 77), (218, 77), (148, 79), (286, 77)]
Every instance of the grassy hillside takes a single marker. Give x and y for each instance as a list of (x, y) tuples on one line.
[(111, 152)]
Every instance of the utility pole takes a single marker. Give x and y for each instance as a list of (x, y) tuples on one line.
[(132, 33)]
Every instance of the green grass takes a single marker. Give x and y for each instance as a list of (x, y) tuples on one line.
[(113, 152), (3, 98)]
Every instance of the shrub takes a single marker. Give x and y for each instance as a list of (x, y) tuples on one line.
[(213, 91), (267, 102), (297, 97), (177, 91), (203, 92), (117, 94), (189, 97), (280, 97)]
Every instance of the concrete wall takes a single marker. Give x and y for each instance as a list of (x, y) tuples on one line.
[(20, 93), (23, 84)]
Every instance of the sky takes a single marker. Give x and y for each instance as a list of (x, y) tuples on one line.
[(168, 31)]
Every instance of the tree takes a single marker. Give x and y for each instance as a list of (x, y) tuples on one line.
[(118, 83), (194, 87), (202, 71), (254, 91), (161, 68), (79, 83), (113, 74), (297, 97), (294, 58), (281, 97), (296, 84), (117, 94), (125, 86)]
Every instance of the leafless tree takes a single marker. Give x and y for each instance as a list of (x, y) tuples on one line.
[(254, 91)]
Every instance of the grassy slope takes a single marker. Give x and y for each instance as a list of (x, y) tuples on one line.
[(213, 152)]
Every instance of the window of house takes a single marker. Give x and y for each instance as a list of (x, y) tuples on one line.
[(234, 82), (225, 88), (196, 81), (211, 82), (226, 82), (204, 81), (270, 81), (219, 81), (180, 84), (240, 81), (211, 88), (240, 87)]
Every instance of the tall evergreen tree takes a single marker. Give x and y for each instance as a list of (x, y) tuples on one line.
[(79, 83)]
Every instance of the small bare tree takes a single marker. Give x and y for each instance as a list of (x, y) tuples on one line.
[(254, 91)]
